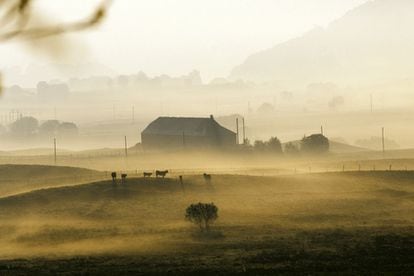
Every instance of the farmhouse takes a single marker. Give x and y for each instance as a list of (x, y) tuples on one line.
[(181, 133)]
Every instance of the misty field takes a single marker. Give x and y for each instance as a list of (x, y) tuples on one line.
[(323, 222)]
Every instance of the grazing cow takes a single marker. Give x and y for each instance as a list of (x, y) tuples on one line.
[(113, 175), (147, 174), (123, 178), (207, 177), (161, 173)]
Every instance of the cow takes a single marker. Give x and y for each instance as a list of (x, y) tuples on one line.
[(207, 177), (113, 175), (161, 173), (123, 178), (147, 174)]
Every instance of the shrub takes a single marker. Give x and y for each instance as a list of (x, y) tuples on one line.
[(202, 214)]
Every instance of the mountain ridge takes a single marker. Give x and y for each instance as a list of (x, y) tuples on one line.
[(369, 43)]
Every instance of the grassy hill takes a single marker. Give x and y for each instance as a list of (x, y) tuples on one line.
[(146, 216), (22, 178)]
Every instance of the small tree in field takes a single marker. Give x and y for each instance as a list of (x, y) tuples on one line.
[(202, 214)]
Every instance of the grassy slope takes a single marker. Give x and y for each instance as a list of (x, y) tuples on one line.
[(265, 223), (22, 178)]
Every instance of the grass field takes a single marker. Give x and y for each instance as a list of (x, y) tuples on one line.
[(23, 178), (352, 222)]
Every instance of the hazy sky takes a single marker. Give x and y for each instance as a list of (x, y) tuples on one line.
[(177, 36)]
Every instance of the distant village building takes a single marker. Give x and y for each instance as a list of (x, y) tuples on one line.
[(181, 133)]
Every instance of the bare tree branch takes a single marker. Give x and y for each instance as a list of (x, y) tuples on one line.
[(20, 10), (17, 15)]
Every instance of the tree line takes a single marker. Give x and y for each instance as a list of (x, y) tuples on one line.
[(29, 127), (313, 144)]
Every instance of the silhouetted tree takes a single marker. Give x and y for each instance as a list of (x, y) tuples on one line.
[(49, 128), (67, 128), (266, 108), (202, 214), (291, 149), (24, 127), (316, 143), (259, 145), (274, 145)]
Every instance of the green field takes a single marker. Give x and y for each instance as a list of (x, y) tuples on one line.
[(323, 222)]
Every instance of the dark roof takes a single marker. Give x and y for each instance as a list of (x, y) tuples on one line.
[(180, 125)]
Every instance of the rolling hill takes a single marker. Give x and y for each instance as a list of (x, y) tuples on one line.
[(160, 201), (144, 218), (23, 178)]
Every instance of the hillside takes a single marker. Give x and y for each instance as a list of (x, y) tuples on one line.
[(148, 214), (369, 44), (33, 152), (23, 178)]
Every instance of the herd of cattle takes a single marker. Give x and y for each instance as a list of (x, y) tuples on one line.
[(158, 173)]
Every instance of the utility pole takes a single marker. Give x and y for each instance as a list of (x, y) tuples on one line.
[(54, 150), (322, 130), (371, 103), (237, 131), (383, 143), (126, 147), (244, 133)]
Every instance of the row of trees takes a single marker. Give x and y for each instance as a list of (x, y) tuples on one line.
[(28, 127), (313, 144)]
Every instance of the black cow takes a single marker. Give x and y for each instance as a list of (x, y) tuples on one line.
[(161, 173), (147, 174), (207, 177)]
